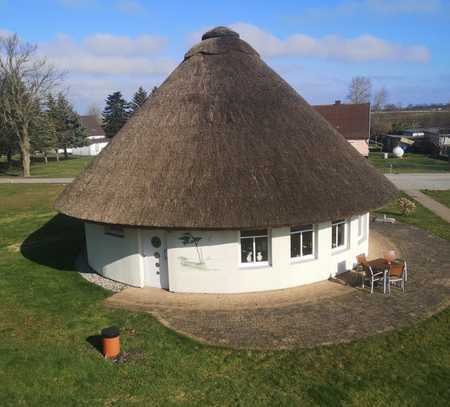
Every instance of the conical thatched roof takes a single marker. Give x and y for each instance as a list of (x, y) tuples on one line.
[(225, 143)]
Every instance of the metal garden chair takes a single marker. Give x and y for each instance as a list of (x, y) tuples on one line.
[(397, 275), (373, 272)]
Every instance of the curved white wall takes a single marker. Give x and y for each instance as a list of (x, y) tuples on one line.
[(220, 271), (117, 258)]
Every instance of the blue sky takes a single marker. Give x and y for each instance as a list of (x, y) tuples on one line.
[(317, 47)]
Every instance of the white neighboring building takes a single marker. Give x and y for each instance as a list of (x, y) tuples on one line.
[(94, 147), (97, 140)]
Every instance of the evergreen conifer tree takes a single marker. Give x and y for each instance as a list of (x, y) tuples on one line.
[(115, 114), (43, 137), (138, 99), (67, 123)]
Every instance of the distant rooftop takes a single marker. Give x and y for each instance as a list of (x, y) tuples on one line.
[(351, 120), (93, 125)]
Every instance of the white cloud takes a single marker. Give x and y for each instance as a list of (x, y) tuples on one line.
[(5, 33), (107, 44), (84, 91), (103, 63), (359, 49), (120, 55)]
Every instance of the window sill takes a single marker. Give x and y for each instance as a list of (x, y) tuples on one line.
[(304, 259), (339, 249), (260, 264)]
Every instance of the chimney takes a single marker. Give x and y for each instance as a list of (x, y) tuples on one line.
[(337, 102)]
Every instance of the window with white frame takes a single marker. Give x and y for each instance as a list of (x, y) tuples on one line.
[(254, 247), (302, 242), (114, 230), (338, 232)]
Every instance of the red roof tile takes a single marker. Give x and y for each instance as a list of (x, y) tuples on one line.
[(351, 120)]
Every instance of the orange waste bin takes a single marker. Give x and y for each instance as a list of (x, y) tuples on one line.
[(111, 342)]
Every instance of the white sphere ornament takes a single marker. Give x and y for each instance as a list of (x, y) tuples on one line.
[(398, 152)]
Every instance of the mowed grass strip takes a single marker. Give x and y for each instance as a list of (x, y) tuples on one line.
[(26, 211), (409, 163), (441, 196), (64, 168), (48, 313), (423, 218)]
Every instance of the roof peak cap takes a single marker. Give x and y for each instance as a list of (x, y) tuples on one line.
[(218, 32)]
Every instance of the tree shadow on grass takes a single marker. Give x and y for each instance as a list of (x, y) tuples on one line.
[(56, 244), (10, 169)]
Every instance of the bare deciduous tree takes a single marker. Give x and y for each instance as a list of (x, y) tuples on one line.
[(25, 81), (94, 110), (360, 90), (380, 98)]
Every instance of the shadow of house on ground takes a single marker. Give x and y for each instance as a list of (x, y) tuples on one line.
[(56, 244)]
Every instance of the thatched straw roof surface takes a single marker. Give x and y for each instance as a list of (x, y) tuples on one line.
[(225, 143)]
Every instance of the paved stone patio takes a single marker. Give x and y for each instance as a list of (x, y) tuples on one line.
[(322, 313)]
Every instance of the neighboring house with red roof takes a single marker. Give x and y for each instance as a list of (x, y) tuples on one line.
[(351, 120)]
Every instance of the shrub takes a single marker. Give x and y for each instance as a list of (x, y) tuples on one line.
[(407, 207)]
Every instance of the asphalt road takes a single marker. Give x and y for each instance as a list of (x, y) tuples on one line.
[(414, 182), (32, 180), (406, 182)]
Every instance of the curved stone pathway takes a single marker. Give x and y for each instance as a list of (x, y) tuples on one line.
[(317, 314)]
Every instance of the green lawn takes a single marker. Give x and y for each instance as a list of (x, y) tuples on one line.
[(441, 196), (410, 162), (423, 218), (69, 167), (48, 312)]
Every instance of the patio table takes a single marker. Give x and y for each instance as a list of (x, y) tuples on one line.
[(379, 263)]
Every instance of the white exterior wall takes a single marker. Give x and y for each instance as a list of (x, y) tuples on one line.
[(219, 270), (117, 258), (362, 146), (90, 150)]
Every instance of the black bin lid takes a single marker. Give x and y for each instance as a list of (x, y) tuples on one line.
[(110, 332)]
